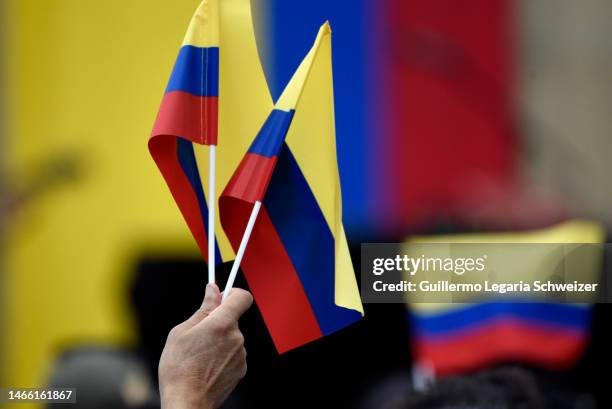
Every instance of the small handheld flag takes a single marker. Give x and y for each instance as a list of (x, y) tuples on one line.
[(188, 115), (218, 52), (297, 263)]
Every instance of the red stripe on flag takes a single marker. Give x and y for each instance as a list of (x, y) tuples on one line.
[(271, 276), (163, 149), (503, 340), (188, 116), (251, 178)]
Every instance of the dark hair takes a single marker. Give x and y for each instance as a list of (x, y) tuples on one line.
[(502, 388)]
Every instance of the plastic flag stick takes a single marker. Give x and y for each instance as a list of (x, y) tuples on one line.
[(211, 215), (243, 244)]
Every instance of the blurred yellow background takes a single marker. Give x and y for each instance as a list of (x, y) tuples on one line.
[(83, 79), (82, 82)]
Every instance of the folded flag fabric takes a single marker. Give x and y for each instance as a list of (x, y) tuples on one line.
[(187, 116), (297, 262), (453, 338), (218, 52)]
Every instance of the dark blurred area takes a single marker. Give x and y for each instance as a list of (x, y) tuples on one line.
[(347, 369), (452, 117), (334, 372)]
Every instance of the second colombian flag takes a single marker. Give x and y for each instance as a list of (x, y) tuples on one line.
[(297, 262)]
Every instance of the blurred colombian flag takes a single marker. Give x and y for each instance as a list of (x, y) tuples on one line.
[(297, 262), (459, 337)]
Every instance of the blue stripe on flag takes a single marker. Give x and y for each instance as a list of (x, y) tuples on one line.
[(272, 134), (463, 318), (287, 29), (308, 240), (196, 71)]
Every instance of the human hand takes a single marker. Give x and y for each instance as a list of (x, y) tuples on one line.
[(204, 357)]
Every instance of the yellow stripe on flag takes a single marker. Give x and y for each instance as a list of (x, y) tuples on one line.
[(572, 231), (203, 29), (312, 140)]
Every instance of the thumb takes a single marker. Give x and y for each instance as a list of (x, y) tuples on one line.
[(212, 299), (237, 303)]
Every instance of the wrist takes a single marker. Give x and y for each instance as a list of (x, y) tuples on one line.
[(183, 398)]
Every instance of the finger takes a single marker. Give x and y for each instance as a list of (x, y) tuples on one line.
[(212, 299), (236, 304)]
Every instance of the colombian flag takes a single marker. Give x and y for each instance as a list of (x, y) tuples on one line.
[(453, 338), (218, 52), (297, 262), (189, 115), (468, 337)]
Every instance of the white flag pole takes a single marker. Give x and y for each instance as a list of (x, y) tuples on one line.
[(243, 244), (211, 214)]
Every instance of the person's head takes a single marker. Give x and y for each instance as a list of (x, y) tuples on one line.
[(501, 388), (104, 378), (507, 388)]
